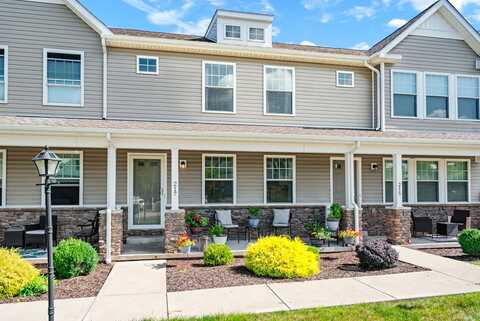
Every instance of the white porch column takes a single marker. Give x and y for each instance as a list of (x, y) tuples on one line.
[(111, 198), (397, 181), (349, 180), (175, 180)]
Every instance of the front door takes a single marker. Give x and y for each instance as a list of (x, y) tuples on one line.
[(338, 181), (146, 206)]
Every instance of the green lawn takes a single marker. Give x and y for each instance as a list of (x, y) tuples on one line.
[(476, 262), (448, 308)]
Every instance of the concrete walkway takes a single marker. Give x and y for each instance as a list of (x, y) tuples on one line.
[(137, 290)]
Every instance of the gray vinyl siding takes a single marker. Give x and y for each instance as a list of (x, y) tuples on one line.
[(428, 54), (28, 27), (95, 177), (175, 94), (372, 181), (475, 181)]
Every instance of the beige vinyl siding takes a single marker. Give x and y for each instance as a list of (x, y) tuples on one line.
[(250, 184), (372, 181), (27, 27), (191, 178), (475, 181), (175, 94), (95, 177), (313, 178), (428, 54)]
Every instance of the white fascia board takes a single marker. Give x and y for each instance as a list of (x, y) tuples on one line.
[(244, 15), (88, 17)]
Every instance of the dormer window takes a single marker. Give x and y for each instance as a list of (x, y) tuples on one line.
[(232, 32), (256, 34)]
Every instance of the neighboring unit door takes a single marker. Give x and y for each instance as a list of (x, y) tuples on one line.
[(338, 181), (146, 208)]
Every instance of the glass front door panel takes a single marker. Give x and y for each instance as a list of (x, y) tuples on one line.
[(147, 191)]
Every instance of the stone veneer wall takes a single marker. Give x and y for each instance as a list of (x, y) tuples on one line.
[(116, 233), (398, 225), (300, 215), (174, 227), (68, 219)]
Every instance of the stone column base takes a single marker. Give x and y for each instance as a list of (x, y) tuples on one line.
[(348, 219), (174, 227), (116, 233), (398, 225)]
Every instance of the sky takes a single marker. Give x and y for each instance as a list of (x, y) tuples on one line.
[(356, 24)]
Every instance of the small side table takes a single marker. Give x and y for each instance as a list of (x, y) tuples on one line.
[(14, 237), (447, 229)]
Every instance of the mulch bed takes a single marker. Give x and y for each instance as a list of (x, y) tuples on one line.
[(184, 275), (452, 253), (79, 287)]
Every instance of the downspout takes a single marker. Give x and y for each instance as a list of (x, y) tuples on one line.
[(356, 208), (105, 73), (377, 100)]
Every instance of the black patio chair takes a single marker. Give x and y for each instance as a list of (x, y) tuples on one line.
[(89, 231), (37, 233), (461, 218), (422, 224)]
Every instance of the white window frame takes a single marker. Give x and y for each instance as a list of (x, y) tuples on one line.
[(204, 100), (225, 32), (265, 110), (418, 93), (5, 59), (80, 197), (468, 161), (256, 40), (441, 180), (457, 96), (234, 156), (46, 51), (345, 72), (409, 196), (294, 179), (147, 72), (449, 97), (3, 153)]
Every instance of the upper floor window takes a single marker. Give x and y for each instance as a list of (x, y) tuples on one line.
[(427, 181), (256, 34), (67, 189), (468, 97), (345, 79), (219, 87), (436, 89), (3, 74), (219, 179), (457, 181), (279, 90), (147, 65), (404, 94), (232, 31), (63, 84), (388, 181), (279, 179)]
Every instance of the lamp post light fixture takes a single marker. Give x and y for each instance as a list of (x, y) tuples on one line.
[(47, 163)]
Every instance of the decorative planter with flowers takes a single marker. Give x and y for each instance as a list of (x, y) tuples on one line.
[(255, 214), (333, 219), (217, 232), (195, 222), (349, 236), (184, 243)]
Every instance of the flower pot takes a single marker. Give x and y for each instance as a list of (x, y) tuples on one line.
[(332, 225), (220, 239), (196, 230), (316, 242), (185, 249), (349, 240), (253, 222)]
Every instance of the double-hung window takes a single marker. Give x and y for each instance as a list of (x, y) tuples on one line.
[(468, 97), (3, 175), (427, 181), (219, 87), (388, 184), (232, 31), (67, 189), (457, 181), (147, 65), (3, 73), (63, 78), (279, 179), (219, 179), (256, 34), (404, 94), (436, 90), (345, 79), (279, 90)]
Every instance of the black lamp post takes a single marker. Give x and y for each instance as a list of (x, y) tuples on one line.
[(47, 163)]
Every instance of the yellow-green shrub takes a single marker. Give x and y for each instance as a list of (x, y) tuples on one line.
[(281, 257), (15, 273)]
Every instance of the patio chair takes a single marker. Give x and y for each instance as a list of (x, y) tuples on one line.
[(461, 218), (89, 232), (224, 218), (422, 224), (36, 233), (281, 220)]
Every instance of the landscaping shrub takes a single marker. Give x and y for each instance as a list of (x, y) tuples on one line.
[(217, 254), (281, 257), (470, 241), (15, 273), (377, 254), (74, 257), (37, 286)]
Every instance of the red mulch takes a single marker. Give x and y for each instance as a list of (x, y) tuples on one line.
[(183, 275), (79, 287)]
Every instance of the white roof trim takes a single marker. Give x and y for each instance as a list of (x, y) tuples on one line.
[(451, 15)]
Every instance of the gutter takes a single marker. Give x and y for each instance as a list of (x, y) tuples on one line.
[(377, 100), (105, 75)]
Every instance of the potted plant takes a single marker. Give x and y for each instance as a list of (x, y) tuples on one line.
[(217, 232), (184, 243), (333, 219), (320, 235), (348, 236), (254, 219), (195, 222)]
